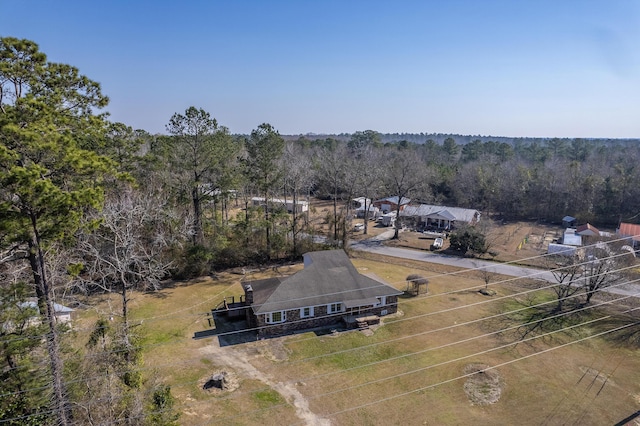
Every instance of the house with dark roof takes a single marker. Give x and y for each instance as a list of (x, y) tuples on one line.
[(329, 290)]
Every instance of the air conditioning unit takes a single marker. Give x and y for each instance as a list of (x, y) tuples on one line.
[(384, 312)]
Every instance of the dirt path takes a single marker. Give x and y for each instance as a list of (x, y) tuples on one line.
[(238, 360)]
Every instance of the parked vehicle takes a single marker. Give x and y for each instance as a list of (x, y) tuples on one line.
[(437, 244), (358, 227)]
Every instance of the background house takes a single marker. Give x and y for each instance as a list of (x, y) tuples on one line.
[(391, 204), (300, 206), (427, 216), (62, 313), (359, 208), (327, 291)]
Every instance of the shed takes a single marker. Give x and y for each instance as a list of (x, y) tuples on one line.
[(569, 221), (570, 238), (587, 230)]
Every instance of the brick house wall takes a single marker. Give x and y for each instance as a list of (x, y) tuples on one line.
[(320, 319)]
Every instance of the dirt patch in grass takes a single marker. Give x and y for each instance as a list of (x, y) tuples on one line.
[(483, 387), (274, 350)]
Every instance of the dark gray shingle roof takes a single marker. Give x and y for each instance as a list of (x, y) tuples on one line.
[(328, 277)]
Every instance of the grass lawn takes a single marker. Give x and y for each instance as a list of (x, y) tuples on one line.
[(406, 372)]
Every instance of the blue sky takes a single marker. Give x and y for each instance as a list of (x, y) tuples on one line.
[(482, 67)]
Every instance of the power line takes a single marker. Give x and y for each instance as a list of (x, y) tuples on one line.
[(486, 369), (403, 319), (324, 375), (464, 270), (433, 331), (475, 354), (448, 362), (433, 313), (512, 295)]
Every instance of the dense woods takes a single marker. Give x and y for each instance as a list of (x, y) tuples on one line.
[(89, 206)]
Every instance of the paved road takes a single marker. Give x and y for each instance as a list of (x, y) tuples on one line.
[(375, 245)]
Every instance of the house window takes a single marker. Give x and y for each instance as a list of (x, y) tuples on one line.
[(334, 307), (306, 312), (275, 317)]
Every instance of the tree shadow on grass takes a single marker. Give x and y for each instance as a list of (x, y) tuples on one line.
[(625, 331), (157, 294), (537, 321)]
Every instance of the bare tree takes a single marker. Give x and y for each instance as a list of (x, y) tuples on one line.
[(568, 274), (369, 178), (298, 175), (405, 175), (486, 276), (604, 268), (125, 252), (331, 170)]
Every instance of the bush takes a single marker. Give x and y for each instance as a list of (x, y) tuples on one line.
[(468, 239), (196, 261)]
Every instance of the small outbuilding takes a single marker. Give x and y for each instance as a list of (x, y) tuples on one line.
[(587, 230), (569, 221), (571, 238)]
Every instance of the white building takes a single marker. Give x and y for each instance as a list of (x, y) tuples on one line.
[(300, 206), (440, 217), (359, 204), (62, 313)]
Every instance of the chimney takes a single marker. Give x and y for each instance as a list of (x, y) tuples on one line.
[(248, 295)]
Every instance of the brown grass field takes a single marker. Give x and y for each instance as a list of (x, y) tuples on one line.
[(408, 371)]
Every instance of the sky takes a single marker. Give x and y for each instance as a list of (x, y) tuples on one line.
[(560, 68)]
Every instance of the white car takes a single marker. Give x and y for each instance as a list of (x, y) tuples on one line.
[(358, 227), (437, 243)]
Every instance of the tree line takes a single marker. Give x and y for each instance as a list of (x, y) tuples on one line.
[(90, 206)]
